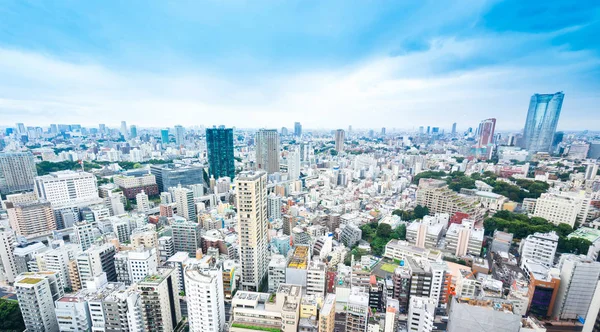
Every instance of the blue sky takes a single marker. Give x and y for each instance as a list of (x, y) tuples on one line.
[(398, 64)]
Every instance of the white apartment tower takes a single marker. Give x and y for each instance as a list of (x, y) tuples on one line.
[(267, 150), (205, 298), (578, 279), (539, 247), (84, 235), (274, 206), (184, 199), (252, 227), (36, 293), (8, 267), (293, 160), (142, 202)]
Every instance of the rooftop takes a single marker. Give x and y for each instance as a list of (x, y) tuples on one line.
[(590, 234), (30, 281)]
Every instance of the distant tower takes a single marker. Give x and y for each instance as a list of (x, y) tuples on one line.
[(133, 130), (164, 136), (179, 135), (219, 145), (339, 140), (486, 132), (383, 131), (124, 129), (267, 150), (542, 119), (297, 129), (454, 128)]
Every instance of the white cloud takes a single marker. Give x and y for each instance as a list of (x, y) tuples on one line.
[(395, 92)]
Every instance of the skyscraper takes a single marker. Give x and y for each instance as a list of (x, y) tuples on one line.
[(340, 136), (101, 128), (133, 130), (205, 298), (297, 129), (454, 128), (294, 164), (542, 119), (219, 145), (184, 198), (124, 129), (486, 132), (17, 172), (252, 227), (164, 135), (267, 150), (179, 135)]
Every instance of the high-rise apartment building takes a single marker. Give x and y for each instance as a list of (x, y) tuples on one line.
[(297, 129), (486, 132), (179, 135), (161, 311), (95, 260), (186, 236), (293, 160), (36, 293), (32, 218), (267, 150), (252, 227), (340, 136), (562, 208), (8, 267), (274, 206), (205, 299), (219, 146), (184, 200), (142, 202), (17, 172), (542, 119), (84, 234), (65, 188)]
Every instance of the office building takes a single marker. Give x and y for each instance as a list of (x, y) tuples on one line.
[(578, 279), (539, 247), (32, 218), (65, 188), (8, 266), (179, 135), (578, 151), (297, 129), (219, 146), (316, 276), (462, 239), (591, 171), (184, 200), (454, 129), (205, 298), (17, 172), (357, 310), (542, 119), (267, 150), (164, 136), (186, 236), (350, 235), (132, 266), (340, 137), (132, 185), (421, 314), (544, 284), (133, 131), (161, 311), (252, 227), (172, 175), (72, 313), (473, 315), (486, 132), (562, 208), (57, 260), (36, 293)]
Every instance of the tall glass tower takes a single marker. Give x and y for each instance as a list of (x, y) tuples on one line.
[(542, 118), (219, 145)]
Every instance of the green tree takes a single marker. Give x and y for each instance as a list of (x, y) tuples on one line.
[(10, 316), (384, 230), (400, 232), (420, 211)]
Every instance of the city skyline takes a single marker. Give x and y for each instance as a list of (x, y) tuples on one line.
[(370, 65)]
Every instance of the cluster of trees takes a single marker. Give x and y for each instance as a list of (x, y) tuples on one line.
[(379, 235), (46, 167), (418, 213), (521, 226), (10, 316), (127, 165)]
